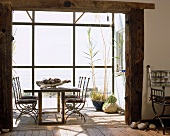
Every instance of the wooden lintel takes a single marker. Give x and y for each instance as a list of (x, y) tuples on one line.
[(77, 5)]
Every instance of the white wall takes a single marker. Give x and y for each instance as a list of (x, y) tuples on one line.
[(157, 47), (119, 80)]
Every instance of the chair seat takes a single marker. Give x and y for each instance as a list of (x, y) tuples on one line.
[(74, 100), (26, 101), (29, 97), (167, 99), (159, 99), (71, 96)]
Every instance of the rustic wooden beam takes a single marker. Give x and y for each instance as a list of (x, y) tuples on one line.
[(6, 115), (134, 64), (77, 5)]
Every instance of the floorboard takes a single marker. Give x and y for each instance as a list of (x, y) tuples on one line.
[(97, 124)]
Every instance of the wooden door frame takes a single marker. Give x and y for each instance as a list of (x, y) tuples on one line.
[(134, 52), (134, 31)]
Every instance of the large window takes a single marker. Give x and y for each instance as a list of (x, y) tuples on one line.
[(54, 44)]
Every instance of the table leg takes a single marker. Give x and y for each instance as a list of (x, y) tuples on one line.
[(58, 101), (39, 107), (63, 107)]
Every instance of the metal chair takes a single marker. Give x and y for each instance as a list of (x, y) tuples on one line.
[(25, 105), (158, 97), (18, 87), (75, 105), (77, 94), (158, 81)]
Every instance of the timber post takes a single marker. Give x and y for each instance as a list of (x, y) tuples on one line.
[(6, 116), (134, 64)]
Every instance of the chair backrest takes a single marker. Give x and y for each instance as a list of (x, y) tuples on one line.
[(158, 78), (84, 88), (16, 86), (80, 82), (158, 95)]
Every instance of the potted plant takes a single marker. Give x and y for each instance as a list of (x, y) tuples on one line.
[(98, 97), (110, 105)]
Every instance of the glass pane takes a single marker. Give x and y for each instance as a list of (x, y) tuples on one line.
[(119, 20), (25, 76), (22, 45), (93, 18), (46, 73), (53, 17), (100, 38), (99, 77), (22, 16), (53, 45)]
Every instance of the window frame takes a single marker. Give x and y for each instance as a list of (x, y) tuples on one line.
[(74, 67)]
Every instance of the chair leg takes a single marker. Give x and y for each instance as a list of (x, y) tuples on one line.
[(75, 111), (69, 115), (163, 127), (30, 110), (159, 116), (82, 116), (18, 117)]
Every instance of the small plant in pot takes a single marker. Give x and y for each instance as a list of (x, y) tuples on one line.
[(98, 99), (110, 105)]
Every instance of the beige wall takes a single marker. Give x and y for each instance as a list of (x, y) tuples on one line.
[(157, 47)]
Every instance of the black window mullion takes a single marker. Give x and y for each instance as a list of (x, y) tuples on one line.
[(113, 42), (74, 49), (33, 48)]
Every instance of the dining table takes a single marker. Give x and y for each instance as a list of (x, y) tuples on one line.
[(60, 91)]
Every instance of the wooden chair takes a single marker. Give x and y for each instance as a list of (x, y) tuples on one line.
[(25, 104), (158, 81), (75, 105)]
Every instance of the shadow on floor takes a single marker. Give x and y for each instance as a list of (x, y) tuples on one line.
[(93, 117)]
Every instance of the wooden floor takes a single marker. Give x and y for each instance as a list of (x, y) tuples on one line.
[(75, 130), (97, 124)]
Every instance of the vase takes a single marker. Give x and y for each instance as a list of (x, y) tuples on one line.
[(98, 105)]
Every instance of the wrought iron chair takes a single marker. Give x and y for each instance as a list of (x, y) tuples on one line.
[(25, 105), (77, 94), (158, 81), (18, 86), (75, 105), (158, 97)]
